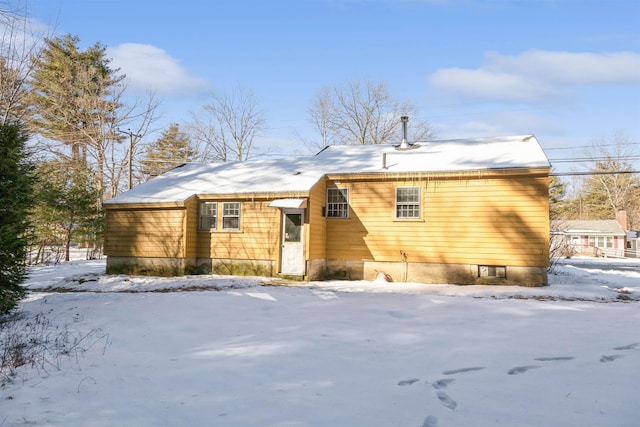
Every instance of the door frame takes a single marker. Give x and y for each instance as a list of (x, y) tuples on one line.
[(301, 264)]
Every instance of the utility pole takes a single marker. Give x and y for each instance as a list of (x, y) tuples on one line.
[(130, 152)]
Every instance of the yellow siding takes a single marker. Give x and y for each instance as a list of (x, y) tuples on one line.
[(191, 227), (257, 238), (495, 221), (145, 233), (316, 236)]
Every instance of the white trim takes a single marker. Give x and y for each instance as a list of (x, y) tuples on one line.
[(289, 203)]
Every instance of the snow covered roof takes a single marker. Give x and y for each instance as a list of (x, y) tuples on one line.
[(300, 174), (438, 156), (255, 176), (586, 227)]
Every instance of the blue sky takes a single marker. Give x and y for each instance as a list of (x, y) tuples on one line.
[(567, 71)]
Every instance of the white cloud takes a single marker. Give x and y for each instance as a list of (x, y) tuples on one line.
[(484, 83), (509, 122), (535, 75), (573, 68), (149, 67)]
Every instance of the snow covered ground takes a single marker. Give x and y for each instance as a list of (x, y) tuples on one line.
[(235, 351)]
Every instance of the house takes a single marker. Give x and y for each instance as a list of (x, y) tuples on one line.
[(604, 237), (467, 211), (632, 248)]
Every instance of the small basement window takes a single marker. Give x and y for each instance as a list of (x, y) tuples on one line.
[(208, 216), (492, 271)]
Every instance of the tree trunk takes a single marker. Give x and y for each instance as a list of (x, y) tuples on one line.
[(67, 245)]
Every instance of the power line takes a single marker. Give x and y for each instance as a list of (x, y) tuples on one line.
[(588, 146), (593, 173), (593, 159)]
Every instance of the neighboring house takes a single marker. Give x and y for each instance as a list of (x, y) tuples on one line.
[(633, 248), (592, 237), (472, 211)]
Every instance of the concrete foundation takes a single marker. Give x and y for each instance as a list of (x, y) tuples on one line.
[(431, 273), (150, 266)]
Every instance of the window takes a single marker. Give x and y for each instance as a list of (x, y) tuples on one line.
[(337, 203), (208, 215), (492, 271), (293, 227), (408, 202), (601, 241), (231, 216)]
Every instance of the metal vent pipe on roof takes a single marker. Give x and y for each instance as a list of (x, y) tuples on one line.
[(404, 120)]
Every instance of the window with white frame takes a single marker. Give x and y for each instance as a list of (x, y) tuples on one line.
[(601, 241), (408, 202), (231, 216), (208, 215), (337, 203)]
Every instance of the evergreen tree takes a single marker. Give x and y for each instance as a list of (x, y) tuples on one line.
[(172, 149), (557, 191), (69, 210), (16, 200), (75, 99)]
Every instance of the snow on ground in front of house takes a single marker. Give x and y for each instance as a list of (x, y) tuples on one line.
[(236, 351)]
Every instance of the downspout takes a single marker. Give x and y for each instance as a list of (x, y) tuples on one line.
[(405, 266)]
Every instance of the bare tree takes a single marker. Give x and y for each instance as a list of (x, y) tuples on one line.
[(319, 114), (19, 42), (362, 112), (136, 120), (226, 128), (204, 134), (613, 186)]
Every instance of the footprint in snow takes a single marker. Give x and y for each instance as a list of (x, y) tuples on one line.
[(553, 359), (430, 421), (408, 382), (610, 358), (628, 347), (442, 384), (400, 315), (447, 401), (461, 370), (522, 369)]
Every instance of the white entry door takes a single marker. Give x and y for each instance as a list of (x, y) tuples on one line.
[(292, 252)]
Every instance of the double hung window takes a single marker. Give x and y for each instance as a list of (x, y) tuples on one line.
[(337, 203), (408, 202), (231, 216), (208, 215)]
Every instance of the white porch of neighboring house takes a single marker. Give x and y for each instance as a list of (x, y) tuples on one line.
[(599, 238), (633, 246)]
